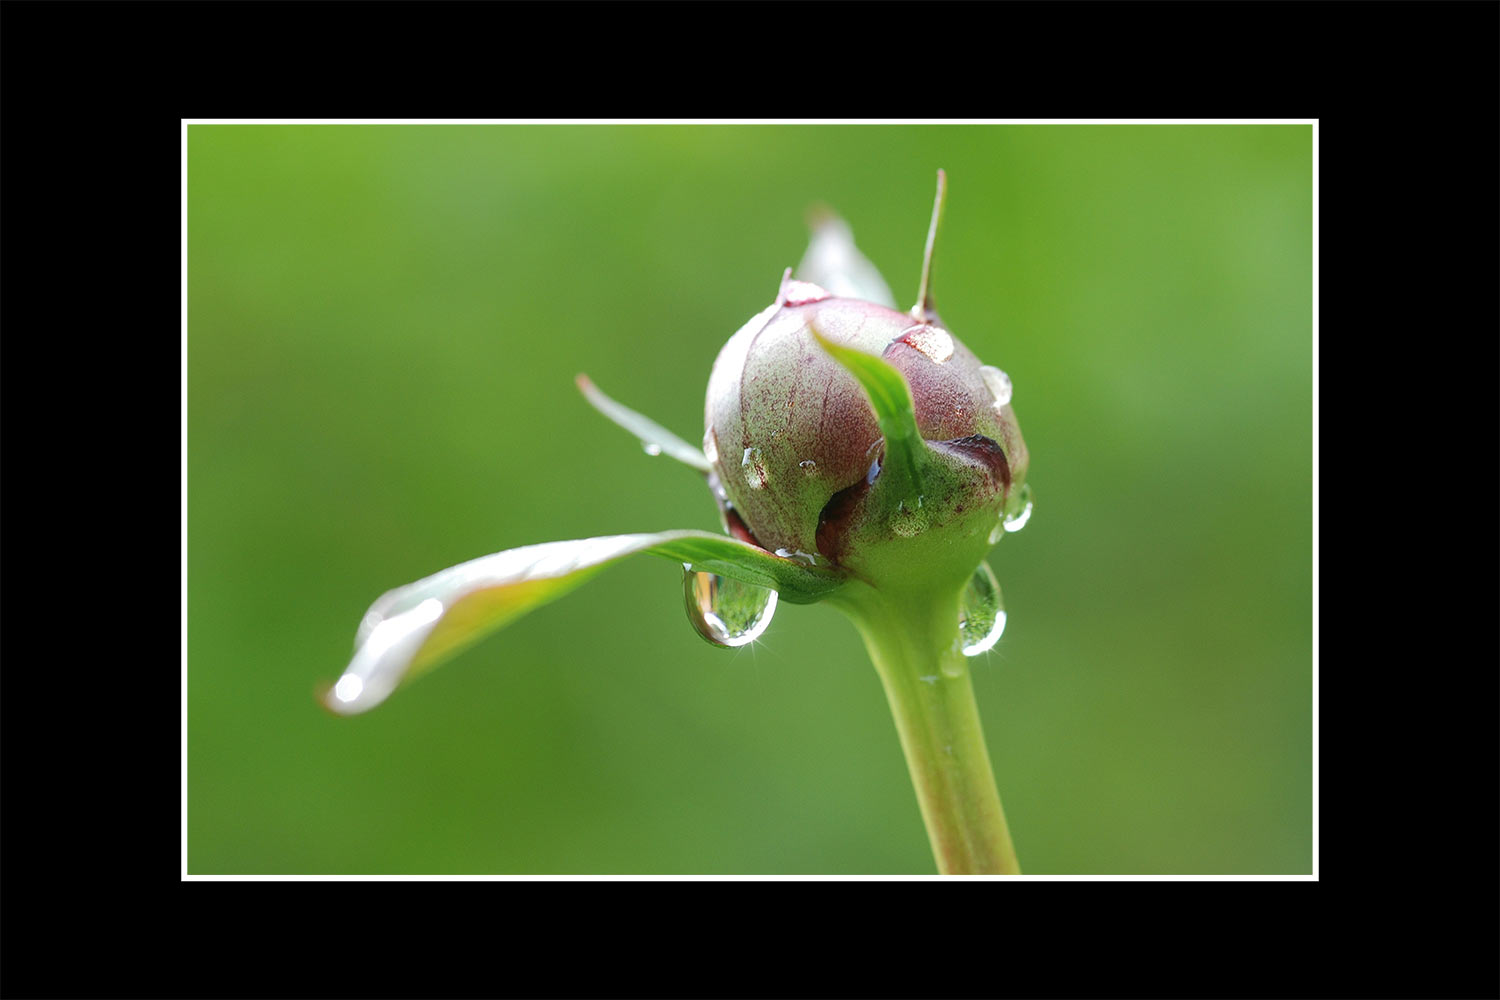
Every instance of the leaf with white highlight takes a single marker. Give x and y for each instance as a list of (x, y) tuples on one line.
[(413, 628), (655, 438)]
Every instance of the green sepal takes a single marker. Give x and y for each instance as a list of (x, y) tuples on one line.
[(890, 397)]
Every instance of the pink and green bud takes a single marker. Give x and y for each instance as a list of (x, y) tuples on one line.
[(798, 450)]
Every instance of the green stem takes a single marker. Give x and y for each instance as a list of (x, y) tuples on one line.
[(914, 643)]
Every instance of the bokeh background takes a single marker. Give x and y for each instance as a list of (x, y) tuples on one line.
[(384, 323)]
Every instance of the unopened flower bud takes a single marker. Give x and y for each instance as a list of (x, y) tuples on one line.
[(797, 448)]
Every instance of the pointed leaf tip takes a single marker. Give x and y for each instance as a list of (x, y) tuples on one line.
[(890, 398), (655, 438)]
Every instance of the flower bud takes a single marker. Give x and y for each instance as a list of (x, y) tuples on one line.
[(797, 448)]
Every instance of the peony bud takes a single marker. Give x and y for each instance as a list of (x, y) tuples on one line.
[(798, 451)]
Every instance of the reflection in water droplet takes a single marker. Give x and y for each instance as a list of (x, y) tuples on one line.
[(754, 468), (998, 383), (981, 614), (933, 341), (808, 467), (1018, 511), (650, 448), (725, 611), (798, 555)]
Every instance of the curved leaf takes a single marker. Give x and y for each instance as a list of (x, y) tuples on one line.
[(656, 438), (413, 628)]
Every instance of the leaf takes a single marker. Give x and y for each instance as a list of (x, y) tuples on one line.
[(834, 262), (891, 399), (413, 628), (656, 438)]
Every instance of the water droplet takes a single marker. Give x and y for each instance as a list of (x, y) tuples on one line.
[(808, 467), (651, 448), (725, 611), (1018, 511), (806, 558), (981, 613), (933, 341), (998, 531), (754, 467), (711, 448), (799, 293), (998, 384)]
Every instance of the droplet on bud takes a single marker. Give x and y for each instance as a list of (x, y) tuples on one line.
[(710, 448), (981, 613), (754, 468), (800, 293), (725, 611), (998, 383), (933, 341), (808, 467)]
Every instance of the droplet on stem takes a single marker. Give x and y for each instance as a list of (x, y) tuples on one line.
[(981, 615), (725, 611)]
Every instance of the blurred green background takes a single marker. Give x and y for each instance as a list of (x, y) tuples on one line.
[(384, 323)]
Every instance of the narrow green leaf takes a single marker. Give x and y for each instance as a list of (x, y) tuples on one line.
[(413, 628), (891, 399), (656, 438)]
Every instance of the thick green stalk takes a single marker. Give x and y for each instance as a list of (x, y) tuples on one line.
[(914, 643)]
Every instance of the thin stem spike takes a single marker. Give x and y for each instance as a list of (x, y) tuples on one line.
[(924, 309)]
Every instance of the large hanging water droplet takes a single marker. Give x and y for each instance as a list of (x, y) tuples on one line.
[(726, 611), (981, 614)]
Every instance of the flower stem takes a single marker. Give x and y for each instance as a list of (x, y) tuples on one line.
[(914, 643)]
